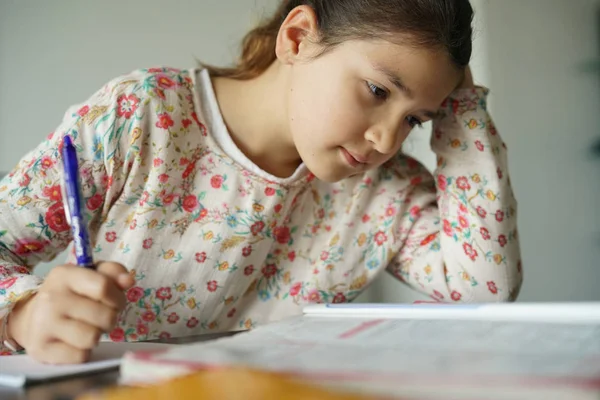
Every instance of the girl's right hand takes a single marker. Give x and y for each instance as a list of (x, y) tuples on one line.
[(72, 308)]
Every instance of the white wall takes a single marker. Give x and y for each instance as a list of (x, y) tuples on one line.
[(529, 52)]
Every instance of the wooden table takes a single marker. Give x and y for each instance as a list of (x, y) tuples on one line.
[(68, 389)]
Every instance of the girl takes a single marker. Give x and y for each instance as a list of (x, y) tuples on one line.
[(227, 198)]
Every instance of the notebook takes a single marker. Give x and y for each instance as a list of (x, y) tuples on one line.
[(19, 370), (499, 351)]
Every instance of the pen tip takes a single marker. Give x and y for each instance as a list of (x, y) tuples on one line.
[(67, 141)]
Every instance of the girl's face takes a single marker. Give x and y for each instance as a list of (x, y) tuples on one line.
[(351, 109)]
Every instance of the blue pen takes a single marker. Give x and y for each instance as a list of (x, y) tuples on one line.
[(74, 205)]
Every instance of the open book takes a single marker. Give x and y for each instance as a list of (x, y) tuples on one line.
[(549, 351)]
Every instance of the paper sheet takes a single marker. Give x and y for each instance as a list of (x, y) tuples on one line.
[(16, 371)]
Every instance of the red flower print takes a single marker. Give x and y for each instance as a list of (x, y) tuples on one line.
[(163, 178), (203, 213), (216, 181), (339, 298), (485, 234), (117, 335), (56, 218), (292, 256), (212, 286), (428, 239), (164, 121), (188, 170), (173, 318), (499, 172), (163, 293), (269, 271), (147, 243), (479, 145), (168, 199), (463, 183), (25, 180), (447, 227), (126, 105), (295, 289), (201, 257), (46, 162), (282, 234), (94, 202), (135, 294), (437, 295), (83, 110), (53, 193), (249, 270), (481, 212), (148, 316), (499, 216), (28, 246), (390, 211), (492, 287), (192, 322), (442, 182), (142, 329), (246, 251), (231, 313), (164, 335), (366, 218), (186, 122), (111, 236), (133, 224), (502, 240), (269, 191), (164, 81), (416, 181), (144, 198), (6, 283), (380, 238), (463, 221), (190, 203), (455, 295), (278, 208), (470, 251), (157, 162), (324, 255), (415, 212), (160, 93)]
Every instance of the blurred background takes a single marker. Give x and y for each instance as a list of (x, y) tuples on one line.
[(540, 58)]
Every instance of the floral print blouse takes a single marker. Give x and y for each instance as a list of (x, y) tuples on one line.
[(216, 244)]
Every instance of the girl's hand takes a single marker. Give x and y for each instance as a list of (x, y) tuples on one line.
[(72, 308)]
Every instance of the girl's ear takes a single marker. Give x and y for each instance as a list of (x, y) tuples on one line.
[(297, 35)]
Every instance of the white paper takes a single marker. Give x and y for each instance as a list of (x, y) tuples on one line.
[(16, 371), (391, 355)]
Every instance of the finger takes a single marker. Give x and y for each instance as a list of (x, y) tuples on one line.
[(59, 353), (91, 284), (76, 334), (88, 311), (117, 272)]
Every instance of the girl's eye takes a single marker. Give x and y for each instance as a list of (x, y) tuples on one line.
[(414, 121), (379, 93)]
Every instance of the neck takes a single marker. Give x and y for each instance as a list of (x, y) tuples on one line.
[(255, 112)]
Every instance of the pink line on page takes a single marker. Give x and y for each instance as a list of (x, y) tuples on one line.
[(360, 328)]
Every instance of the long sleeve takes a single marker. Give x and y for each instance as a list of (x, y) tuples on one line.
[(462, 244), (107, 133)]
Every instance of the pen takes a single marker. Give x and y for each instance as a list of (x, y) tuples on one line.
[(73, 203)]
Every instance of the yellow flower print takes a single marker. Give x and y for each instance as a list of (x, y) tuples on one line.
[(136, 134), (23, 201), (287, 278), (229, 300), (472, 124), (427, 270), (181, 287), (212, 325), (359, 282), (3, 188), (330, 267), (153, 223), (209, 235), (169, 254), (498, 258), (191, 303), (476, 178), (362, 239), (224, 266), (248, 323), (258, 208), (490, 195), (455, 143)]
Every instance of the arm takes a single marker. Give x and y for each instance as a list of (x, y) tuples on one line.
[(462, 242)]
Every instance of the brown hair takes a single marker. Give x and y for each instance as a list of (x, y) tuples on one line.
[(435, 24)]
